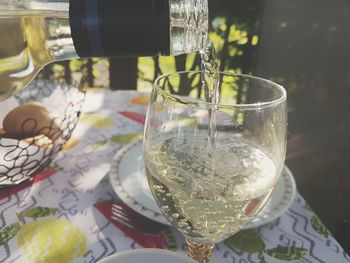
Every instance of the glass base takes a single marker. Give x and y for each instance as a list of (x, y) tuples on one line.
[(199, 252)]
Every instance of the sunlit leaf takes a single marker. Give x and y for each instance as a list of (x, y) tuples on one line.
[(318, 226), (287, 253), (8, 233), (247, 241), (38, 211), (126, 138), (170, 239)]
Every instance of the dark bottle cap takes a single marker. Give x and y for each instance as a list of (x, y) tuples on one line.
[(112, 28)]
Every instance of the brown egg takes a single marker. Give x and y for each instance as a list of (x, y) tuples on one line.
[(2, 132), (29, 120)]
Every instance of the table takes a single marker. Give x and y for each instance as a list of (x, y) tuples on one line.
[(63, 214)]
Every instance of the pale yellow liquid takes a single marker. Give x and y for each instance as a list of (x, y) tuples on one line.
[(28, 41), (205, 205)]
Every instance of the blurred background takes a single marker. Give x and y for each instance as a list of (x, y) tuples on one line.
[(301, 44)]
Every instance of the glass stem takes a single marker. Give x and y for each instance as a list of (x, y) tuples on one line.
[(199, 252)]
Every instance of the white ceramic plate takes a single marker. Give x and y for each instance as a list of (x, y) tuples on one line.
[(149, 255), (128, 179)]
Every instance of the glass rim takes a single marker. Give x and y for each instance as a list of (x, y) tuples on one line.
[(254, 105)]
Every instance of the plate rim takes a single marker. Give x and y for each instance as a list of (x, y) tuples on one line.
[(118, 188), (284, 204), (114, 179), (142, 251)]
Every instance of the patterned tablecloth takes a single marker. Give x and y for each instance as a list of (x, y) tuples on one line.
[(64, 213)]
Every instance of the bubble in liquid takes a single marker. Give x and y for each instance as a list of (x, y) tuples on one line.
[(165, 207), (175, 215)]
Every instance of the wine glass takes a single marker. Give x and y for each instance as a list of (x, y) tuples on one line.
[(211, 187)]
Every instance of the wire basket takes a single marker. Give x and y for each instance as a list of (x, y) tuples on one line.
[(34, 126)]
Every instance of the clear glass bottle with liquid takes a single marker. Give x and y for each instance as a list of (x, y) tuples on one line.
[(35, 33)]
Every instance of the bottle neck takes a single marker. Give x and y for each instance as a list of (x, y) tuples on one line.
[(120, 28), (188, 25)]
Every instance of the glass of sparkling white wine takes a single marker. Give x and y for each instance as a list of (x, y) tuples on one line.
[(214, 156)]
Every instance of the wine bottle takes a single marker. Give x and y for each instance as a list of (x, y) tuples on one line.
[(35, 33)]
